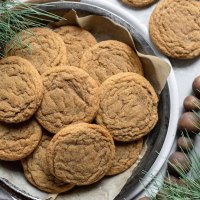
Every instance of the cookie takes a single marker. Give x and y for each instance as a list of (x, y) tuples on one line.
[(138, 3), (175, 28), (108, 58), (43, 47), (37, 172), (21, 89), (19, 140), (70, 96), (76, 40), (126, 154), (81, 153), (128, 106)]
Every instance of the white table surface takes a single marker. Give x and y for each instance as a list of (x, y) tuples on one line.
[(185, 70)]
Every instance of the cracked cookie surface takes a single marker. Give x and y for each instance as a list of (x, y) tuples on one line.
[(43, 47), (37, 172), (175, 28), (70, 96), (138, 3), (19, 140), (128, 106), (76, 40), (81, 153), (108, 58), (21, 89), (126, 154)]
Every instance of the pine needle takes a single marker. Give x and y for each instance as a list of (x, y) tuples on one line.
[(17, 16), (190, 187)]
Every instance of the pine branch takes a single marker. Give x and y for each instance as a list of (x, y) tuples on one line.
[(18, 16), (190, 187)]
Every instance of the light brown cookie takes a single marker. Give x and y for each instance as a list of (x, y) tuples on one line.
[(126, 154), (21, 89), (70, 96), (138, 3), (175, 28), (128, 106), (108, 58), (76, 40), (43, 47), (81, 153), (37, 172), (19, 140)]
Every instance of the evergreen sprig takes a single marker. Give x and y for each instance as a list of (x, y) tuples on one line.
[(189, 186), (17, 16)]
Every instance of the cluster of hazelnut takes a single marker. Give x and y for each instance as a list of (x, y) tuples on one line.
[(189, 123)]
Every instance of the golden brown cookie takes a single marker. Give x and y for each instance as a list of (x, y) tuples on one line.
[(126, 154), (21, 89), (43, 47), (138, 3), (19, 140), (108, 58), (81, 153), (76, 40), (37, 172), (175, 28), (70, 95), (128, 106)]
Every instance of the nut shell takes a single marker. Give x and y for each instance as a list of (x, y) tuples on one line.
[(145, 198), (185, 143), (178, 161), (196, 86), (188, 121), (161, 195), (191, 103), (170, 179)]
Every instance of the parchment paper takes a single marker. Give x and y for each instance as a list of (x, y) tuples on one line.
[(156, 71), (106, 189)]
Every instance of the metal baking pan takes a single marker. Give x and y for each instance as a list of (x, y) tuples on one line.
[(158, 135)]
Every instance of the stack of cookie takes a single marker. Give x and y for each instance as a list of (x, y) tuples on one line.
[(73, 110)]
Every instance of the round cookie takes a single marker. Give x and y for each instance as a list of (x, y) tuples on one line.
[(43, 47), (21, 89), (19, 140), (70, 96), (108, 58), (76, 40), (126, 154), (81, 153), (128, 106), (174, 28), (37, 172), (138, 3)]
